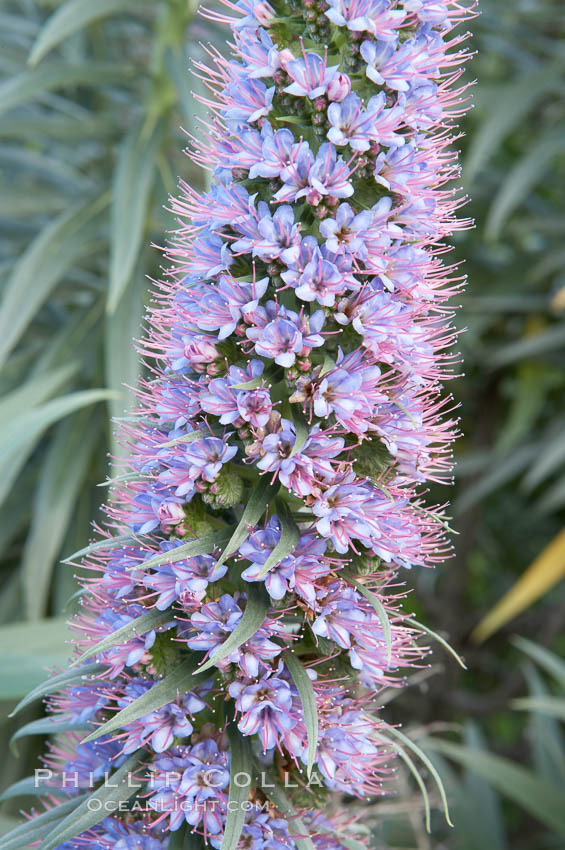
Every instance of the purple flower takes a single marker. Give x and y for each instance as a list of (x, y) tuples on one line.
[(255, 407), (278, 234), (204, 458), (189, 784), (320, 281), (280, 340), (276, 153), (328, 176), (213, 623), (374, 16), (266, 709), (219, 396), (311, 76), (248, 100), (346, 232), (292, 335), (221, 307), (160, 727), (188, 577)]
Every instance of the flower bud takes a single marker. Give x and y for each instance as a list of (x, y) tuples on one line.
[(339, 87)]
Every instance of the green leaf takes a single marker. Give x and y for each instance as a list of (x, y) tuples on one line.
[(184, 839), (184, 438), (522, 786), (240, 759), (252, 619), (199, 546), (100, 545), (150, 620), (30, 425), (47, 726), (412, 622), (29, 787), (476, 795), (60, 75), (379, 608), (545, 734), (55, 499), (288, 539), (277, 796), (253, 511), (551, 663), (522, 178), (180, 681), (59, 682), (38, 827), (396, 733), (309, 707), (534, 345), (122, 364), (117, 789), (132, 184), (61, 244), (71, 17), (551, 457), (412, 767), (35, 390), (302, 430), (553, 706), (26, 649), (507, 108)]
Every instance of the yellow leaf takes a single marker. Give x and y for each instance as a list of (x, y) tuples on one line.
[(558, 300), (547, 569)]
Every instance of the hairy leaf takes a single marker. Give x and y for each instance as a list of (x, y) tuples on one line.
[(309, 706), (252, 619)]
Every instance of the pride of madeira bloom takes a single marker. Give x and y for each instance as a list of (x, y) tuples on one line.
[(244, 615)]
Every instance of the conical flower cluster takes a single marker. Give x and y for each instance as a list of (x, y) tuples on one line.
[(245, 613)]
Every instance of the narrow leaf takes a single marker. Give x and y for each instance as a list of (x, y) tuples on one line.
[(410, 764), (522, 786), (396, 733), (185, 438), (199, 546), (309, 707), (435, 636), (106, 543), (54, 503), (180, 681), (47, 726), (288, 540), (94, 809), (58, 682), (277, 796), (60, 75), (36, 828), (379, 608), (553, 706), (522, 178), (547, 569), (240, 759), (29, 787), (122, 365), (151, 620), (133, 180), (549, 661), (254, 510), (71, 17), (63, 242), (252, 619), (31, 424)]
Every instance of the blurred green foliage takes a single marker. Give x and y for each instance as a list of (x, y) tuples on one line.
[(91, 102)]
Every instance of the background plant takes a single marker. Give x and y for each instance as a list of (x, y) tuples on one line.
[(110, 95)]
